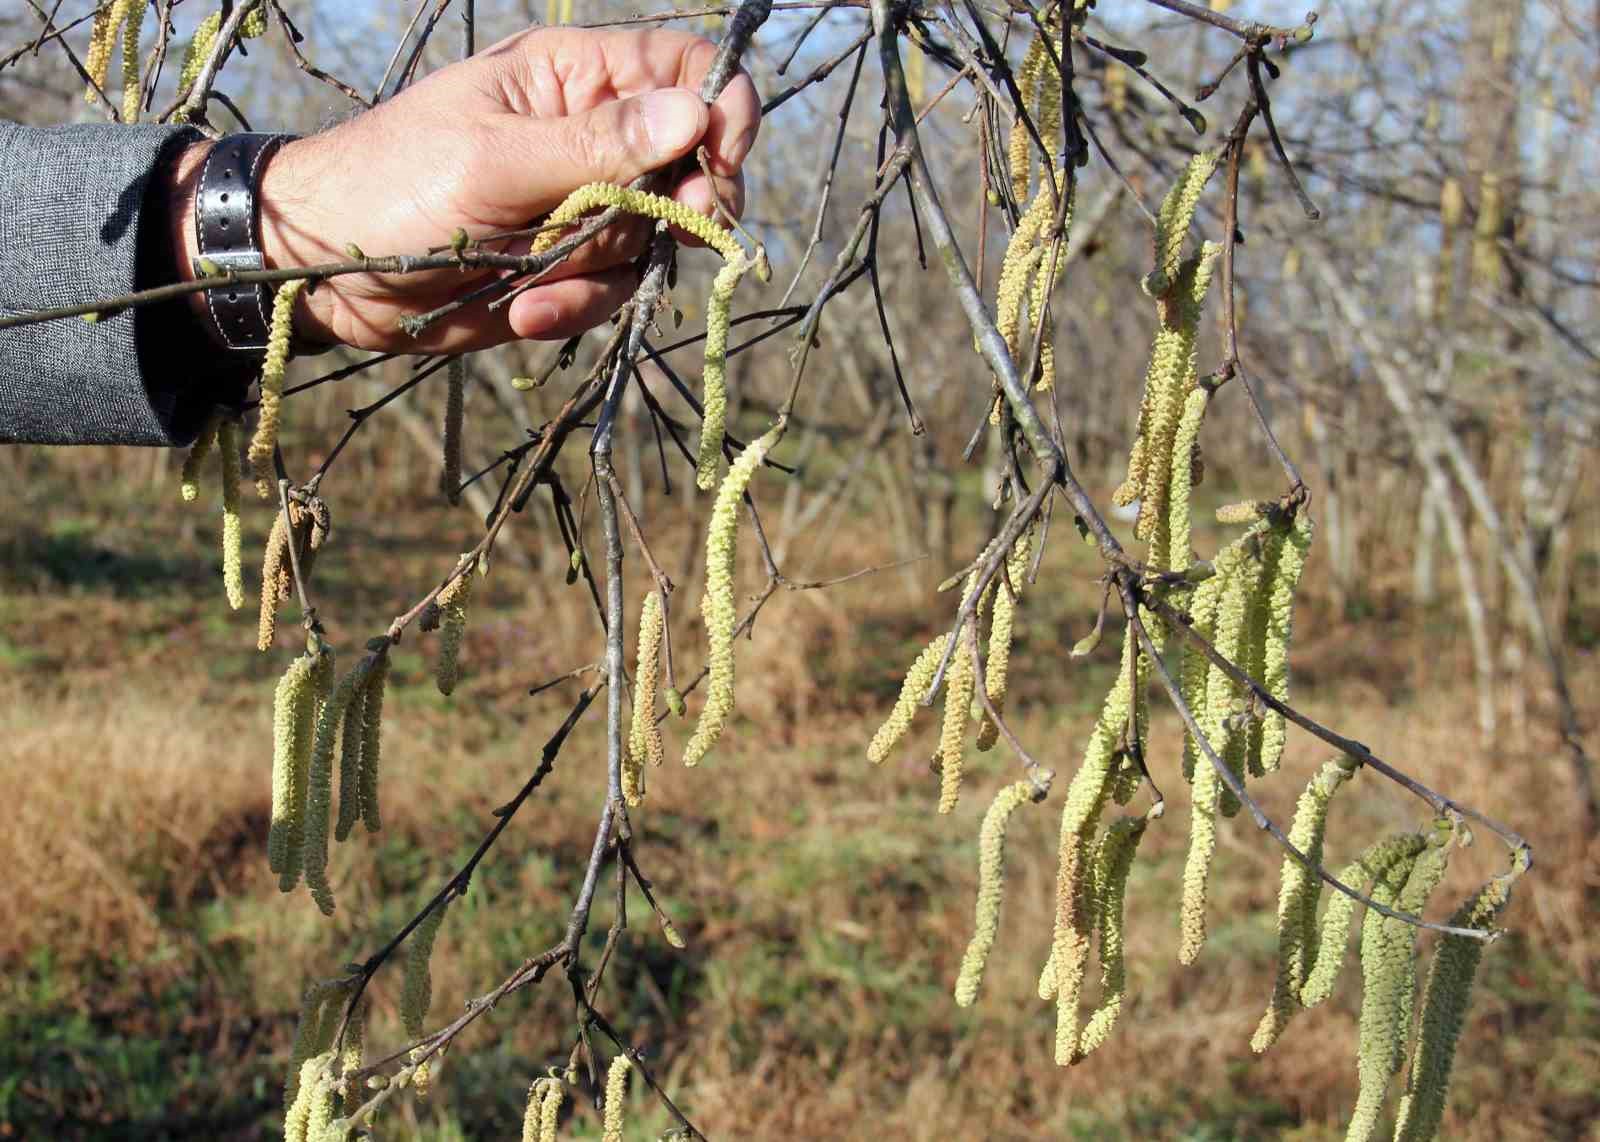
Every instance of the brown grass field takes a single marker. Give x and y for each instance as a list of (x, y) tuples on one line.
[(151, 969)]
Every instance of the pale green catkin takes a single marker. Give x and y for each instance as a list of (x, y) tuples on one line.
[(1253, 652), (199, 50), (416, 990), (1280, 630), (1019, 146), (616, 1097), (321, 1009), (544, 1110), (189, 479), (1179, 512), (717, 607), (1197, 866), (1444, 1012), (991, 888), (912, 692), (454, 412), (1113, 860), (1246, 511), (1388, 976), (453, 602), (232, 525), (1333, 937), (1231, 702), (254, 23), (293, 697), (644, 734), (1298, 894), (132, 85), (319, 794), (960, 683), (372, 741), (1002, 628), (350, 743), (1086, 795), (311, 1109), (270, 416), (1195, 670), (714, 383), (1173, 221)]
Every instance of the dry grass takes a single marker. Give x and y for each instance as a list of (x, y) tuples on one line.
[(150, 967)]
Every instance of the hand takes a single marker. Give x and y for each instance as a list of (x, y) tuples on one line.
[(489, 145)]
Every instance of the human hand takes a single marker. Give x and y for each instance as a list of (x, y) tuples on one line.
[(489, 145)]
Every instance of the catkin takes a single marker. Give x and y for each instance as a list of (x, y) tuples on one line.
[(102, 37), (1180, 482), (453, 602), (372, 741), (416, 990), (959, 686), (1298, 894), (189, 479), (320, 1012), (717, 606), (274, 557), (1333, 937), (1386, 972), (269, 418), (1173, 221), (1444, 1012), (1086, 795), (1280, 629), (644, 735), (616, 1097), (132, 87), (311, 1110), (1197, 866), (292, 699), (1113, 860), (454, 411), (1002, 627), (350, 743), (714, 374), (198, 51), (254, 24), (991, 888), (1195, 671), (319, 794), (1019, 147), (544, 1110), (912, 692), (232, 525)]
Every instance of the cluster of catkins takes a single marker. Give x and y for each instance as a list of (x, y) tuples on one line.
[(1241, 602), (127, 18)]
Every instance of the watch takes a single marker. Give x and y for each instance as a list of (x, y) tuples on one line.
[(228, 236)]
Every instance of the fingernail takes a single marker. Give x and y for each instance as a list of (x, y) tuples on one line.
[(673, 118)]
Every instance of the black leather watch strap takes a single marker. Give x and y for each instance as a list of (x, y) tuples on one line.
[(225, 220)]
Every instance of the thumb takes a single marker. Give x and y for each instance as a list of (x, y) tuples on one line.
[(614, 142)]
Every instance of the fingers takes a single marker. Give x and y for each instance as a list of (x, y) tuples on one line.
[(538, 162), (700, 196), (566, 308)]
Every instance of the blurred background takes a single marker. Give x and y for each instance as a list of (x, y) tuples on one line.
[(1427, 351)]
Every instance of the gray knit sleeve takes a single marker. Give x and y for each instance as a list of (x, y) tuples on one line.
[(71, 210)]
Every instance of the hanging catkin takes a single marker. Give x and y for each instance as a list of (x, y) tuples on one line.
[(1280, 630), (454, 411), (1074, 920), (198, 51), (102, 37), (189, 479), (321, 1010), (319, 795), (290, 726), (372, 737), (1112, 862), (1298, 895), (959, 685), (717, 606), (991, 888), (644, 736), (544, 1110), (416, 989), (1444, 1011), (912, 692), (1002, 628), (132, 85), (453, 602), (1333, 937), (351, 739), (273, 560), (270, 416), (232, 524), (616, 1097)]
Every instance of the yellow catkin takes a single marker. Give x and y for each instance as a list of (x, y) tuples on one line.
[(416, 989), (454, 411), (293, 697), (1019, 147), (102, 37), (543, 1113), (1333, 936), (1180, 516), (189, 479), (132, 85), (1244, 603), (616, 1097), (960, 682), (372, 742), (1173, 221), (311, 1110), (1444, 1011), (1298, 894), (717, 608), (275, 555), (1279, 631), (1086, 796), (912, 692), (644, 735), (319, 793), (199, 50), (599, 195), (321, 1010), (991, 888), (714, 382), (270, 416), (453, 603), (232, 524), (1388, 977), (1002, 629), (254, 24), (1113, 860), (1196, 668)]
